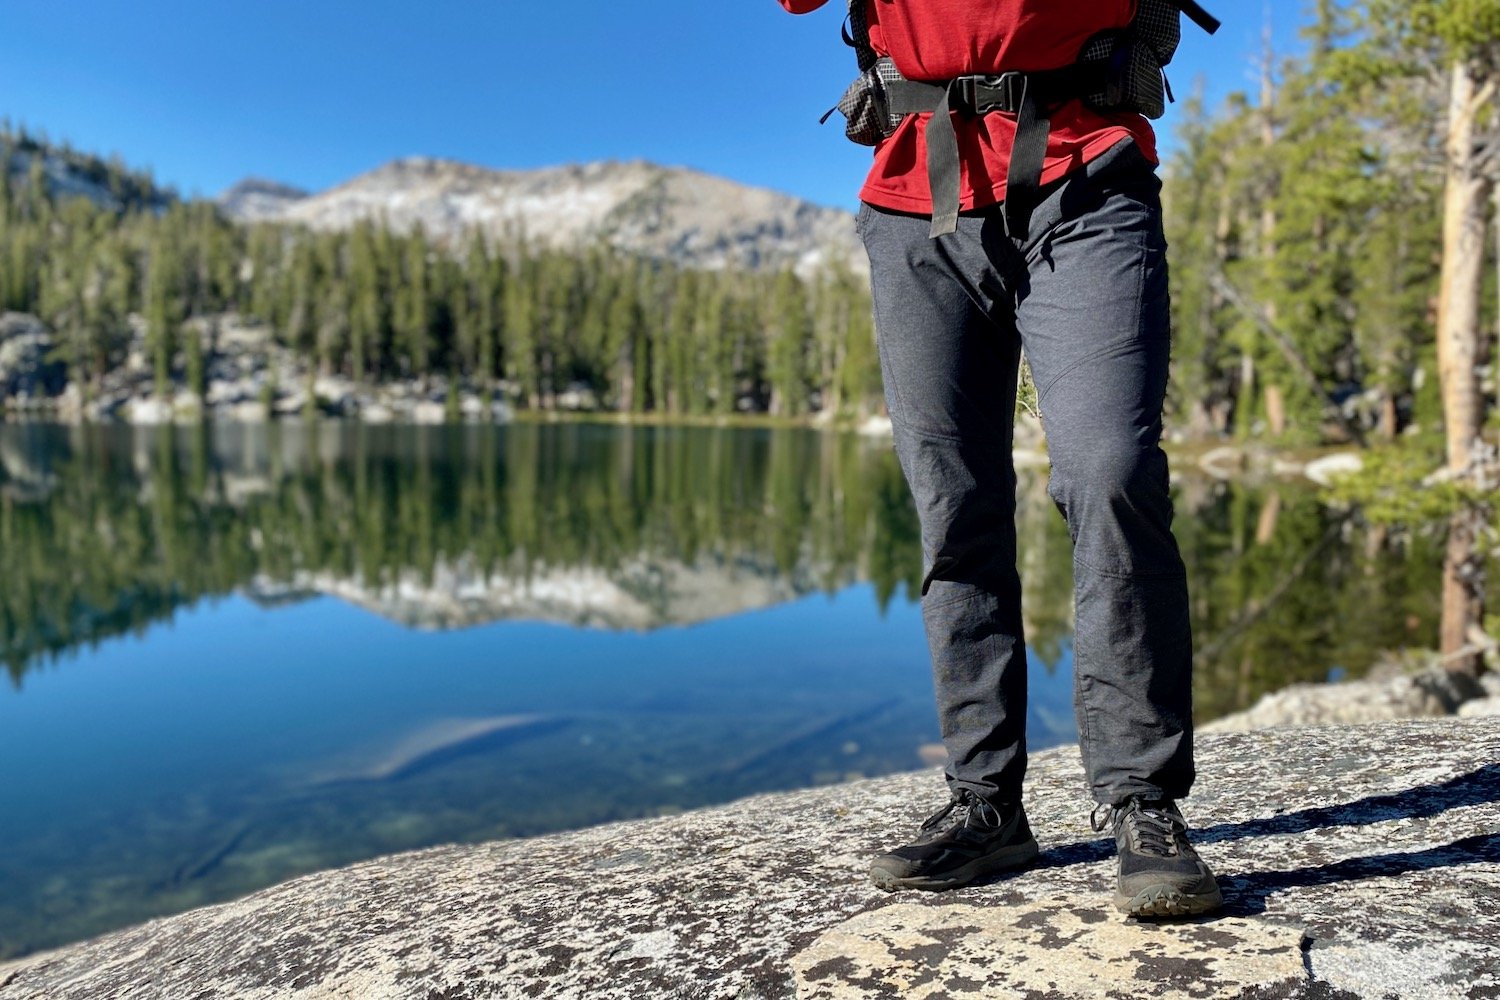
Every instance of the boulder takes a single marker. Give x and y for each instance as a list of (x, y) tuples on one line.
[(1355, 861), (426, 411), (1432, 693), (376, 413), (1480, 708), (335, 393), (1325, 470), (148, 412), (27, 369)]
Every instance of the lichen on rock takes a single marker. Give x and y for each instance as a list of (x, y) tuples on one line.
[(925, 952)]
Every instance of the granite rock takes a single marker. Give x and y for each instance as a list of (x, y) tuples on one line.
[(1356, 862), (1431, 693), (28, 367), (1480, 707)]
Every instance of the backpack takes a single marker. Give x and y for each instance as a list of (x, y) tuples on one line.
[(1122, 69)]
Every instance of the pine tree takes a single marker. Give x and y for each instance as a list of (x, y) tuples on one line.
[(413, 313), (164, 309), (519, 344), (790, 329)]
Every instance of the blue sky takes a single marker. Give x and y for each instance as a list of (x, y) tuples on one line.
[(313, 92)]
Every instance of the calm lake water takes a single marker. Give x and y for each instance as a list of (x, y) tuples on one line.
[(239, 654)]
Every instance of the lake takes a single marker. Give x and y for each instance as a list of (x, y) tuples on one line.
[(236, 654)]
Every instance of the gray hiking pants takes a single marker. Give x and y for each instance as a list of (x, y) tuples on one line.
[(1086, 295)]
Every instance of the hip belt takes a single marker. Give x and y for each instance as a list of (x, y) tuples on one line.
[(1025, 95)]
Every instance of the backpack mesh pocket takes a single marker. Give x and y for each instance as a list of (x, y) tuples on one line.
[(1133, 59), (864, 106)]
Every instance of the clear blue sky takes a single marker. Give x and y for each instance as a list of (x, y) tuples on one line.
[(312, 92)]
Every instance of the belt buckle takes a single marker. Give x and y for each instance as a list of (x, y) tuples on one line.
[(1008, 86), (1012, 86), (968, 93)]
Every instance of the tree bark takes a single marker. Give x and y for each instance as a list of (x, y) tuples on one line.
[(1465, 202), (1275, 404), (1388, 426), (1494, 354), (1463, 601)]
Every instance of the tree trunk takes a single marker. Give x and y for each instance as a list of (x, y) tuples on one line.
[(1265, 524), (1275, 403), (1244, 402), (1233, 398), (1465, 197), (626, 379), (1388, 425), (1272, 402), (1463, 601), (1494, 355)]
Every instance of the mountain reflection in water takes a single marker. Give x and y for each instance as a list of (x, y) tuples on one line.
[(242, 653)]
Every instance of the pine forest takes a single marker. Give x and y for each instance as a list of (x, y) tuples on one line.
[(1318, 250)]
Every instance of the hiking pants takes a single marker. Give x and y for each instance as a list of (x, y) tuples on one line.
[(1086, 296)]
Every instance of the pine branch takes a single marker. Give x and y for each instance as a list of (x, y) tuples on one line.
[(1258, 315)]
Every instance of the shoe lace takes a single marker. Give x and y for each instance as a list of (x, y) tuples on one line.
[(1154, 827), (968, 806)]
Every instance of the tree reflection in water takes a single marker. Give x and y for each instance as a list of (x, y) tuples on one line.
[(104, 531)]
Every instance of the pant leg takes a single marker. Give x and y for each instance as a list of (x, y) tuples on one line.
[(1093, 315), (948, 355)]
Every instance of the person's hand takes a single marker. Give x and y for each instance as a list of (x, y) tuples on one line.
[(802, 6)]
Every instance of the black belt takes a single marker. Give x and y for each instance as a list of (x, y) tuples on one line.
[(1020, 94)]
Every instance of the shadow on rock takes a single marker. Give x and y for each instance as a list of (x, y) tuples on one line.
[(1246, 895), (1424, 801)]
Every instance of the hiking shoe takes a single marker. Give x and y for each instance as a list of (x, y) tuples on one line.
[(970, 837), (1160, 873)]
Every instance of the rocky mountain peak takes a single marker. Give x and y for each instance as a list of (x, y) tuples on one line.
[(672, 213), (256, 199)]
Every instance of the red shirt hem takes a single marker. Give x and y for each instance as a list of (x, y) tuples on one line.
[(1054, 168)]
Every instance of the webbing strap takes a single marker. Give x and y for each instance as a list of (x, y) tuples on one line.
[(942, 165), (1023, 179), (969, 94), (1020, 94), (1198, 15)]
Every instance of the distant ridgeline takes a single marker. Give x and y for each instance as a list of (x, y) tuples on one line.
[(36, 164), (109, 261), (106, 530)]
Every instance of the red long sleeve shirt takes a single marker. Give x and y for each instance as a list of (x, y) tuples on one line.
[(941, 39)]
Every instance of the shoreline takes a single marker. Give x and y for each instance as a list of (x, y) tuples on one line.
[(1215, 458)]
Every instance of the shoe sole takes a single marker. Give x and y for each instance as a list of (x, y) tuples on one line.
[(1002, 860), (1165, 901)]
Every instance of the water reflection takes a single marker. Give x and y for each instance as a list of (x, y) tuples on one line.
[(243, 653), (105, 531)]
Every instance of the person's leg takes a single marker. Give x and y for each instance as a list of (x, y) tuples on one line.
[(1093, 316), (950, 375), (948, 357)]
